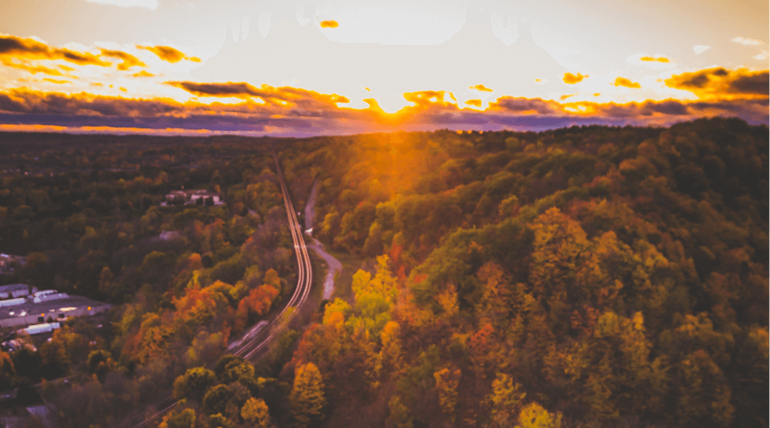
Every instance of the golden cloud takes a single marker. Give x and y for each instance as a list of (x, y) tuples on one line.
[(300, 112), (169, 54), (572, 79), (481, 88), (425, 98), (329, 24), (721, 83), (654, 59), (127, 60), (622, 81), (142, 74), (58, 82), (85, 111), (284, 96), (33, 69), (26, 48)]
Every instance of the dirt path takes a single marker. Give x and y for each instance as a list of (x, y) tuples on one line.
[(334, 264)]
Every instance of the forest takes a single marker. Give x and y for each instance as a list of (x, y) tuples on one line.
[(581, 277)]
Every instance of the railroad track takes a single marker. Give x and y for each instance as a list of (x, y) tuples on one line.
[(253, 343)]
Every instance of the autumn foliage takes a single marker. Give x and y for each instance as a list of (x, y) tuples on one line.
[(579, 277)]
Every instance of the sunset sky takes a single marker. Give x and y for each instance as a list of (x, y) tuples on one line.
[(340, 67)]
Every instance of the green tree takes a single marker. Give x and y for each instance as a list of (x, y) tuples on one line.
[(216, 399), (704, 395), (194, 384), (219, 421), (400, 417), (100, 362)]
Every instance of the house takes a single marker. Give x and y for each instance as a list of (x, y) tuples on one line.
[(189, 197)]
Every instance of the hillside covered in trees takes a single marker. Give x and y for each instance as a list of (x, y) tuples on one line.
[(582, 277)]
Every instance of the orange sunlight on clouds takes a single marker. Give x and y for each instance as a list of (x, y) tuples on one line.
[(481, 88), (572, 79), (167, 53), (658, 59), (622, 81)]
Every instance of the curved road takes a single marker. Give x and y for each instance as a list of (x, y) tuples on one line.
[(253, 343), (333, 264)]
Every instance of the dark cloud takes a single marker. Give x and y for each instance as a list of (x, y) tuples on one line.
[(752, 84), (668, 107), (25, 49), (217, 89), (720, 82), (522, 105), (282, 96), (298, 112)]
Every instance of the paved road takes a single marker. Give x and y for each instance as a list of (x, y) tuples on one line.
[(255, 342), (315, 245)]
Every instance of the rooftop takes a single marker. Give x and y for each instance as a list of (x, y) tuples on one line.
[(13, 287), (193, 192), (51, 307)]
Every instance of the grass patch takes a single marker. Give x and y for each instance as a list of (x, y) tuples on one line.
[(343, 280)]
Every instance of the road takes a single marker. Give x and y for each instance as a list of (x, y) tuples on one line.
[(255, 342), (315, 245)]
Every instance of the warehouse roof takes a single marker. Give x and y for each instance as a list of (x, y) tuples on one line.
[(52, 307)]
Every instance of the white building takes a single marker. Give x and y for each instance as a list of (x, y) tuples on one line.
[(47, 306), (190, 197), (15, 290)]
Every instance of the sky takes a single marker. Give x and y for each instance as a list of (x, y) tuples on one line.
[(304, 68)]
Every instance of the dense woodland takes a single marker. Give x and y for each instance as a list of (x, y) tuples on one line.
[(582, 277), (86, 212)]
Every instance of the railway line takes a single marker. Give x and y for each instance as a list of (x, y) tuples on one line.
[(255, 342)]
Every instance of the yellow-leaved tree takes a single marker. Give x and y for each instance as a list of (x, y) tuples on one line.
[(447, 380), (535, 416), (255, 413), (505, 400), (307, 395)]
